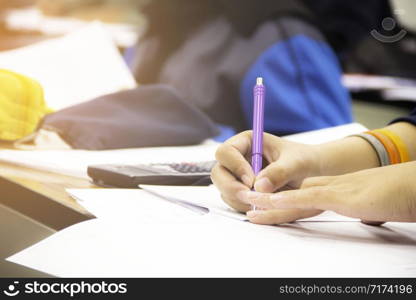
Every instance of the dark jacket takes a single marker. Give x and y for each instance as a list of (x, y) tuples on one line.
[(410, 118)]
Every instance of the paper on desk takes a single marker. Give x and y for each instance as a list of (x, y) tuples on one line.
[(213, 246), (209, 197), (109, 203), (76, 162), (77, 67), (131, 203)]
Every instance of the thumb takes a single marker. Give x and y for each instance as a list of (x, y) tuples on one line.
[(275, 176)]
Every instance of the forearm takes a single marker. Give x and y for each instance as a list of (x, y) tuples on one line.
[(354, 153)]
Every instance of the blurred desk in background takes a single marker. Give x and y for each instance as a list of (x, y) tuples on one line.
[(11, 39), (20, 27)]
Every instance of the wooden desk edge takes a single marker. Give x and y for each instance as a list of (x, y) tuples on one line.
[(41, 195)]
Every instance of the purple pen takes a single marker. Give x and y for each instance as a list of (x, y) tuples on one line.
[(259, 93)]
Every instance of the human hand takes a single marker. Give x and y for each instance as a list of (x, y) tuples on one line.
[(379, 194), (286, 165)]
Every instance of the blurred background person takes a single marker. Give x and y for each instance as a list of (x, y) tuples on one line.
[(212, 51)]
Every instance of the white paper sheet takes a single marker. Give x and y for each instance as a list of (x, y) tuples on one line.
[(110, 203), (219, 247), (139, 235), (209, 197), (130, 204), (74, 68)]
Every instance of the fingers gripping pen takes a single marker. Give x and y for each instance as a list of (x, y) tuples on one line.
[(259, 93)]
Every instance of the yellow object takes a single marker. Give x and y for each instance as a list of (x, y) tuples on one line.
[(400, 145), (22, 105)]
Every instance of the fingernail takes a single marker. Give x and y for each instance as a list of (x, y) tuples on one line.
[(246, 180), (264, 185), (254, 213)]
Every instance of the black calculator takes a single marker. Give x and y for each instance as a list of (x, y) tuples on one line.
[(130, 176)]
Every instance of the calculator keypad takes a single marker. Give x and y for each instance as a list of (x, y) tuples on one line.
[(186, 168)]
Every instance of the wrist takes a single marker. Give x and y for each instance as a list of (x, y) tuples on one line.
[(319, 167), (347, 155)]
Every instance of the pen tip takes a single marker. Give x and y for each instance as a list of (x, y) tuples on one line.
[(259, 80)]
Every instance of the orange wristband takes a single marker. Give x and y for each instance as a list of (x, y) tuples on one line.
[(391, 148), (400, 145)]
